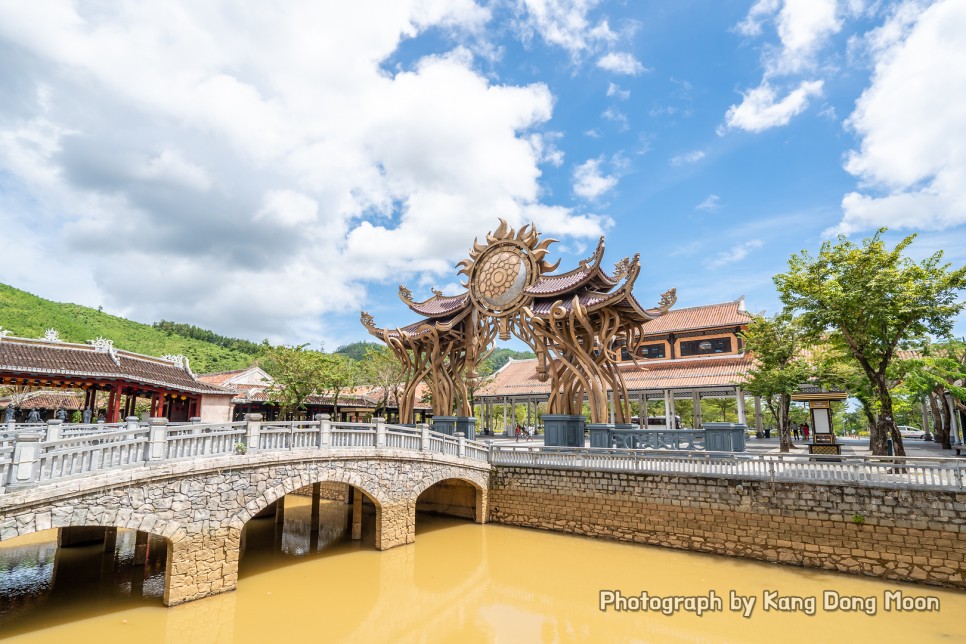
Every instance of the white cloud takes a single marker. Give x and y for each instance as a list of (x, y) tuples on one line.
[(615, 115), (620, 63), (734, 254), (266, 151), (613, 89), (688, 158), (288, 208), (710, 204), (911, 162), (760, 110), (169, 166), (590, 182), (564, 23), (751, 25), (804, 28)]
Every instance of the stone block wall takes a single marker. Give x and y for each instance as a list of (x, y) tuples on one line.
[(328, 491), (901, 534)]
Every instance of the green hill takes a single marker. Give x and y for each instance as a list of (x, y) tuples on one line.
[(27, 315)]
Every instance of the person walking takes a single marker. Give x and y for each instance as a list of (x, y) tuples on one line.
[(805, 430), (518, 432)]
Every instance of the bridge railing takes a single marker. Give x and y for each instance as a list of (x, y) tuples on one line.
[(889, 471), (30, 457)]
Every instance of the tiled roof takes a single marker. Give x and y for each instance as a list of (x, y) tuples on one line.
[(219, 378), (260, 394), (555, 284), (687, 372), (33, 358), (591, 300), (699, 317), (356, 397), (49, 399), (440, 305), (519, 378)]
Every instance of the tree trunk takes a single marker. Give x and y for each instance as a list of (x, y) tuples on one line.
[(947, 421), (939, 423), (785, 437), (885, 425)]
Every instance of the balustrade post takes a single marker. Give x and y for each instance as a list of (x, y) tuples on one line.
[(54, 429), (380, 432), (461, 449), (26, 454), (325, 430), (253, 430), (157, 438), (423, 436), (132, 423)]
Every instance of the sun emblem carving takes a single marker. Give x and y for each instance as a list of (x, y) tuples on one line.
[(501, 270)]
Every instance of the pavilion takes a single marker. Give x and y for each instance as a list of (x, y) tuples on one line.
[(102, 374)]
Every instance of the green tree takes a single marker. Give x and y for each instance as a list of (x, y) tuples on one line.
[(383, 370), (298, 372), (868, 300), (939, 370), (778, 345), (338, 374)]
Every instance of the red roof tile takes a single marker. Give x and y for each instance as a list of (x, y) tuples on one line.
[(699, 317), (32, 358), (519, 378)]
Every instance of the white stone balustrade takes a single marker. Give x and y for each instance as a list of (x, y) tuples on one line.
[(879, 471), (31, 458)]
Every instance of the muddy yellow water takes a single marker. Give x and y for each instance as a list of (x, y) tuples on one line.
[(459, 582)]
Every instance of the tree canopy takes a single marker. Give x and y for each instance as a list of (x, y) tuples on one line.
[(868, 300), (778, 345)]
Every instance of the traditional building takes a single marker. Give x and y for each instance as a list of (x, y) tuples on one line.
[(688, 353), (251, 385), (111, 381)]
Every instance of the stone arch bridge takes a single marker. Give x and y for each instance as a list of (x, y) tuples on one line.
[(201, 504)]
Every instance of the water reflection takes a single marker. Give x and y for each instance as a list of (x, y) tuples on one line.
[(469, 583), (40, 582)]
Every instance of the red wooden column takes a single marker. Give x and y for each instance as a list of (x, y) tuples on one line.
[(114, 403)]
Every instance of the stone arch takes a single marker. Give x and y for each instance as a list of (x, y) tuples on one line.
[(479, 510), (371, 488), (83, 511)]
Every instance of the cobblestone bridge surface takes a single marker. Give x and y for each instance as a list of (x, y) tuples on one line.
[(201, 506)]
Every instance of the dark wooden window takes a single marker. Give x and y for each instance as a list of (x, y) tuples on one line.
[(650, 351), (701, 347)]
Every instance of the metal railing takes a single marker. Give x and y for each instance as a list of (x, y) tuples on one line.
[(55, 451), (888, 471)]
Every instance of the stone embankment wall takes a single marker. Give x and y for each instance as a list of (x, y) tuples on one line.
[(901, 534)]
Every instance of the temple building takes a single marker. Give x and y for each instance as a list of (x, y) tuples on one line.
[(684, 354), (109, 383)]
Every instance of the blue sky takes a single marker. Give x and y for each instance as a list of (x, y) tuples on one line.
[(272, 173)]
